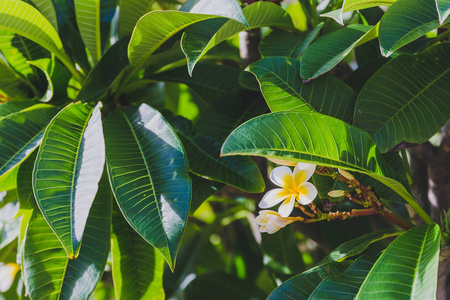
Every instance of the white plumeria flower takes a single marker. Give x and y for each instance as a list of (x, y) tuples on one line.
[(293, 187), (270, 221)]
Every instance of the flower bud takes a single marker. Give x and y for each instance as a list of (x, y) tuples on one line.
[(336, 193), (346, 174)]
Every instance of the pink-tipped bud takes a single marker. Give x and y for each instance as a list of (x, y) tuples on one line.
[(336, 193), (346, 174), (283, 162)]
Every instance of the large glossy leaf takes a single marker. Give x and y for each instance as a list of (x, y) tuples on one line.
[(416, 17), (47, 10), (283, 43), (57, 79), (284, 90), (18, 141), (105, 73), (129, 13), (350, 5), (25, 20), (312, 137), (443, 7), (49, 273), (68, 167), (204, 160), (211, 82), (137, 267), (358, 245), (412, 272), (88, 20), (230, 9), (347, 284), (148, 35), (407, 99), (200, 38), (327, 51), (301, 286), (148, 171)]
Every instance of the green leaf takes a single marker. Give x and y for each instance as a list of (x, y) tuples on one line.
[(200, 38), (25, 183), (301, 286), (284, 90), (314, 138), (358, 245), (129, 13), (202, 189), (47, 10), (283, 43), (346, 284), (9, 180), (204, 160), (412, 104), (57, 78), (443, 9), (17, 141), (105, 73), (327, 51), (12, 85), (149, 176), (13, 107), (416, 17), (412, 273), (68, 167), (49, 273), (350, 5), (137, 267), (25, 20), (88, 19), (229, 9)]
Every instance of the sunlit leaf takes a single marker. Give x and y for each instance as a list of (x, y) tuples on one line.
[(443, 9), (57, 79), (88, 20), (47, 10), (130, 12)]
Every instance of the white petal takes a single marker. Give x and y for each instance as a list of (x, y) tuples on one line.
[(281, 176), (262, 228), (272, 227), (303, 172), (273, 197), (260, 220), (286, 207), (279, 220), (307, 193)]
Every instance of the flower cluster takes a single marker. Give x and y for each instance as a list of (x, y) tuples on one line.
[(293, 187)]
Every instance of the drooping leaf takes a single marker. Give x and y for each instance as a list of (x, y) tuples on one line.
[(301, 286), (347, 284), (314, 138), (137, 267), (149, 176), (443, 7), (199, 38), (204, 160), (25, 20), (283, 43), (416, 17), (407, 99), (358, 245), (327, 51), (130, 12), (17, 141), (87, 13), (350, 5), (47, 10), (284, 90), (105, 73), (57, 79), (68, 167), (230, 9), (412, 273), (49, 273)]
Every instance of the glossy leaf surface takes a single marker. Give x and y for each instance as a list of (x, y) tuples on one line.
[(350, 5), (149, 176), (68, 167), (130, 12), (412, 273), (443, 7), (407, 99), (87, 13), (47, 10)]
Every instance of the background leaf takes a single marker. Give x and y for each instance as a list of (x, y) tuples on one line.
[(412, 273), (130, 12), (226, 8), (49, 273), (417, 18), (415, 91), (148, 171), (350, 5), (88, 20), (57, 79), (68, 167), (137, 267), (443, 7), (284, 90)]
